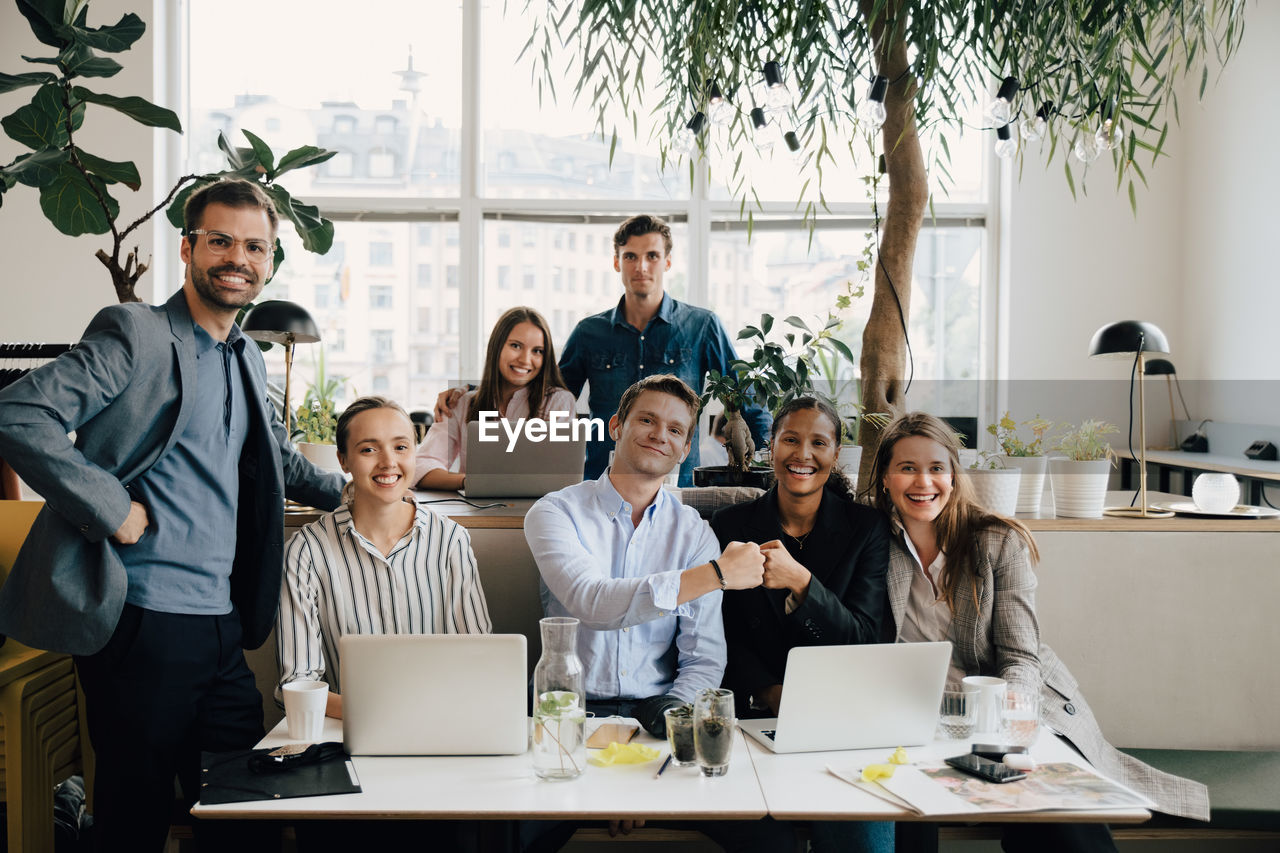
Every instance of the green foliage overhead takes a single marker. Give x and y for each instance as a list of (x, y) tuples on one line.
[(1091, 59), (75, 184)]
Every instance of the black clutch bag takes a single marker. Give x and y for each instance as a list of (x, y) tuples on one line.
[(246, 775)]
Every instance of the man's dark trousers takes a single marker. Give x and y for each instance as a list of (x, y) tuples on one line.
[(165, 687)]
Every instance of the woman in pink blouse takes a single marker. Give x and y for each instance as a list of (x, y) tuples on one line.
[(521, 380)]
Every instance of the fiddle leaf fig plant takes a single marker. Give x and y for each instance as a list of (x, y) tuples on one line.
[(773, 375), (76, 186)]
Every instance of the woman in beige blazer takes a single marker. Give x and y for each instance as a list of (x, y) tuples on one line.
[(959, 573)]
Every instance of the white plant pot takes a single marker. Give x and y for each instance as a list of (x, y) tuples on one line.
[(1031, 486), (850, 460), (996, 489), (320, 455), (1079, 488)]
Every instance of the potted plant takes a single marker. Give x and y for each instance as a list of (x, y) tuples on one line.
[(995, 485), (1079, 476), (316, 422), (1026, 456), (773, 375)]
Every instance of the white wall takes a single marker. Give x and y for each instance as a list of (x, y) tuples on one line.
[(1199, 260), (52, 284)]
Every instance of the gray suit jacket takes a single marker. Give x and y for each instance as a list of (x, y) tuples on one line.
[(126, 391), (1000, 636)]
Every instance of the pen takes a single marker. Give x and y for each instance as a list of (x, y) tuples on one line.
[(663, 767)]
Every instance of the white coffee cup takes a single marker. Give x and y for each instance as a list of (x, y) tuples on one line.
[(991, 692), (304, 704)]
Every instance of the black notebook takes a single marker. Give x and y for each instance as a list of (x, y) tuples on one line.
[(257, 774)]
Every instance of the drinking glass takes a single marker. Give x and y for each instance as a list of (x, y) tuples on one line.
[(1021, 717), (956, 716), (680, 735), (713, 729)]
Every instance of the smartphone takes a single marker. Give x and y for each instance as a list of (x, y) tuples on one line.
[(985, 768), (996, 751)]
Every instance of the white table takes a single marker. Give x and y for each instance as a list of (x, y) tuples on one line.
[(504, 787), (797, 786)]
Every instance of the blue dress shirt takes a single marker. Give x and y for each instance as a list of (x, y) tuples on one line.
[(622, 581), (613, 355), (182, 563)]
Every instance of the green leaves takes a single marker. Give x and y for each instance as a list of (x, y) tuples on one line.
[(110, 171), (11, 82), (39, 168), (316, 232), (112, 39), (139, 109), (43, 122), (70, 203)]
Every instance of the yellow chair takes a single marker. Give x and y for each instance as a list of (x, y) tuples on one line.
[(40, 714)]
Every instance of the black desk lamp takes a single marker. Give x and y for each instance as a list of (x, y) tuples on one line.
[(1133, 339), (1164, 367), (280, 322)]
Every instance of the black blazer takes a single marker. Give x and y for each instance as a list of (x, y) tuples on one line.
[(848, 554)]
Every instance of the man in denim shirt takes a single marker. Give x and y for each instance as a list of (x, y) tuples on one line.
[(646, 333)]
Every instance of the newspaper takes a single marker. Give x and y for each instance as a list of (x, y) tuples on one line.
[(936, 789)]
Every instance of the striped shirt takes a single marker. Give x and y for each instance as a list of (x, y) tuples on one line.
[(337, 582)]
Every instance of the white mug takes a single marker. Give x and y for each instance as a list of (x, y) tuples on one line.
[(990, 707), (304, 706)]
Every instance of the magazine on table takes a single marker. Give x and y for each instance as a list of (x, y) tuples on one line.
[(936, 789)]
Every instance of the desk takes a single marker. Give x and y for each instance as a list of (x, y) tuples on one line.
[(504, 787), (798, 786), (1255, 474)]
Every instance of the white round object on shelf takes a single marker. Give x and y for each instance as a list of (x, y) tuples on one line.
[(1216, 492)]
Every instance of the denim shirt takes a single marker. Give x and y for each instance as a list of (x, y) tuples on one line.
[(612, 355)]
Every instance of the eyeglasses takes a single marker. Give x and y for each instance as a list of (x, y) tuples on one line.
[(218, 243)]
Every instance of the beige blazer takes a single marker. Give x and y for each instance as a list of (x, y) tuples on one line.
[(1000, 636)]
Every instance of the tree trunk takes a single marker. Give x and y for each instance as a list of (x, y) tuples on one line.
[(884, 345)]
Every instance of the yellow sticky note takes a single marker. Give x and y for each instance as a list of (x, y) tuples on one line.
[(618, 753), (899, 756)]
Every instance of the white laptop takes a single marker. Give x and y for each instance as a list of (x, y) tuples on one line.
[(527, 469), (434, 694), (856, 697)]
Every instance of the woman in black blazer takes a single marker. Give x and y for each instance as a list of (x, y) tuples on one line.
[(824, 578)]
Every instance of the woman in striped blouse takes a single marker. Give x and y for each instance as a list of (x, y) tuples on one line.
[(378, 564)]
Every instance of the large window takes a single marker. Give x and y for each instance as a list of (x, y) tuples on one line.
[(458, 194)]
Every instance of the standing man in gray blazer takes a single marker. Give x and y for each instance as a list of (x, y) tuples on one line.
[(158, 556)]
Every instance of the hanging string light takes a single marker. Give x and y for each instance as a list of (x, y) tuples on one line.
[(1087, 148), (1033, 128), (1000, 110), (719, 110), (872, 108), (687, 139), (761, 135), (777, 95), (1110, 135), (1006, 147)]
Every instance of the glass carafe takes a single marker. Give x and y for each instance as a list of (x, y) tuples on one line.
[(559, 703)]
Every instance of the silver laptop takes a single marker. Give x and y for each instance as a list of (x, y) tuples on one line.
[(527, 469), (434, 694), (856, 697)]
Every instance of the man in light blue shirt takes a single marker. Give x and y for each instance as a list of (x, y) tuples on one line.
[(642, 572)]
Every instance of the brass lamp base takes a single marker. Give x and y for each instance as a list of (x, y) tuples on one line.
[(1137, 512)]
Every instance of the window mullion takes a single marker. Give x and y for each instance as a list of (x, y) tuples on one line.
[(470, 255)]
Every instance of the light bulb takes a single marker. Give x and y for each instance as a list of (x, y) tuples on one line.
[(1087, 149), (1110, 135), (762, 136), (1006, 147), (1033, 128), (1001, 109), (719, 110), (793, 145), (687, 139), (872, 108), (777, 95)]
